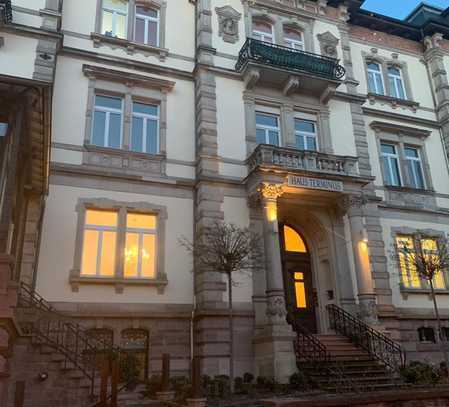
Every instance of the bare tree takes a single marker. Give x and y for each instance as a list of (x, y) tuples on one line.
[(430, 258), (225, 248)]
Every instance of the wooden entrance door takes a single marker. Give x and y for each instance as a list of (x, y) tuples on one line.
[(298, 281)]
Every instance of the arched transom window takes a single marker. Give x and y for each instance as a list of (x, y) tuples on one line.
[(293, 38), (262, 30), (293, 242)]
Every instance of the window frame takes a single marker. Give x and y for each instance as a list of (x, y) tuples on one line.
[(261, 33), (159, 279), (145, 117), (305, 135), (389, 157), (108, 112), (146, 20), (395, 79), (374, 72), (293, 41), (114, 17), (267, 128), (411, 170)]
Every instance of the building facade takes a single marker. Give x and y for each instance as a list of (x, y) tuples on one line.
[(322, 127)]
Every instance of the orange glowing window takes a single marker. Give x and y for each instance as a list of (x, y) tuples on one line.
[(300, 291), (293, 241)]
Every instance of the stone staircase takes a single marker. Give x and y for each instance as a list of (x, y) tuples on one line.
[(355, 369)]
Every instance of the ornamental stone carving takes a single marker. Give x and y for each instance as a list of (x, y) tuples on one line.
[(433, 42), (328, 44), (228, 23), (271, 191), (276, 310)]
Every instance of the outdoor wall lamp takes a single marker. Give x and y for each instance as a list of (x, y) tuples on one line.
[(42, 376)]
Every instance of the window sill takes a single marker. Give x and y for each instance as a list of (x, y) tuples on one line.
[(160, 283), (130, 46), (393, 102), (410, 190), (405, 292), (123, 152)]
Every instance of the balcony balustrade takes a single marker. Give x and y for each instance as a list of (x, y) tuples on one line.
[(5, 12), (304, 160), (290, 59)]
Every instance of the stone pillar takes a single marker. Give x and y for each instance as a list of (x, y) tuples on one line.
[(274, 346), (365, 283)]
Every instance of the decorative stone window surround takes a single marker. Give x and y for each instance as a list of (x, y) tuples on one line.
[(129, 44), (287, 109), (384, 64), (431, 233), (406, 136), (302, 24), (119, 281), (126, 86)]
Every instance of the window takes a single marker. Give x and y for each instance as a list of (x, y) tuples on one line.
[(262, 31), (267, 129), (409, 274), (375, 79), (145, 128), (293, 39), (293, 242), (107, 122), (114, 18), (135, 344), (140, 246), (146, 30), (306, 136), (414, 167), (300, 291), (426, 334), (396, 83), (390, 162), (99, 243)]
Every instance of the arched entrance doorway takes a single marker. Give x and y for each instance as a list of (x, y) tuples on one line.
[(298, 280)]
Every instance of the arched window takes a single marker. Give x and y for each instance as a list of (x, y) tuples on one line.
[(104, 340), (396, 83), (293, 241), (375, 78), (146, 29), (426, 334), (293, 38), (135, 343), (262, 30)]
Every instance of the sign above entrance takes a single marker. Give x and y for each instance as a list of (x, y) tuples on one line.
[(315, 183)]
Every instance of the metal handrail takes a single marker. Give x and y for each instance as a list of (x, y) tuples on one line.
[(5, 12), (292, 59), (374, 342)]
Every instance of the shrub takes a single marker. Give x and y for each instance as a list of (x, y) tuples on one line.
[(298, 380), (420, 373), (129, 369), (248, 378)]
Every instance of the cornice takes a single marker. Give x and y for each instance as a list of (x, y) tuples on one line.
[(397, 116), (397, 128)]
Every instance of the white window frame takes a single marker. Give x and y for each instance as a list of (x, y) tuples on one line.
[(114, 18), (375, 73), (398, 81), (141, 232), (293, 43), (146, 117), (108, 111), (267, 128), (147, 19), (412, 168), (390, 157), (304, 134), (100, 229), (265, 37)]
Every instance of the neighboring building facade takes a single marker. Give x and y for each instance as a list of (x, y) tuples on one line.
[(169, 115)]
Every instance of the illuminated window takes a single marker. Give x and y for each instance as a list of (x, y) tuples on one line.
[(114, 18), (293, 241), (140, 246), (300, 291), (409, 274), (99, 243)]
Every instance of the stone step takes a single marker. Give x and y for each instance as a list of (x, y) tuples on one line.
[(340, 388)]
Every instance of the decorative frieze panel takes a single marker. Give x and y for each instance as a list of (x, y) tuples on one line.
[(228, 23), (411, 198)]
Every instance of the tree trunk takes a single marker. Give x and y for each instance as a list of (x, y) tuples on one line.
[(231, 334), (440, 332)]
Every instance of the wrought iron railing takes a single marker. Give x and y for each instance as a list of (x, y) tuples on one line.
[(5, 12), (292, 158), (69, 339), (288, 58), (374, 342)]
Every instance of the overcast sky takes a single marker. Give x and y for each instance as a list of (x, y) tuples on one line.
[(399, 8)]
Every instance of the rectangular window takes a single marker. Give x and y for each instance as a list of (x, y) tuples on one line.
[(306, 135), (375, 79), (145, 128), (414, 167), (267, 129), (390, 162), (114, 18), (99, 243), (396, 83), (262, 31), (107, 122), (300, 291), (146, 30), (140, 246)]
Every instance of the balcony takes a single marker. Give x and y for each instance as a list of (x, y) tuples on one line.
[(291, 159), (293, 70), (5, 12)]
